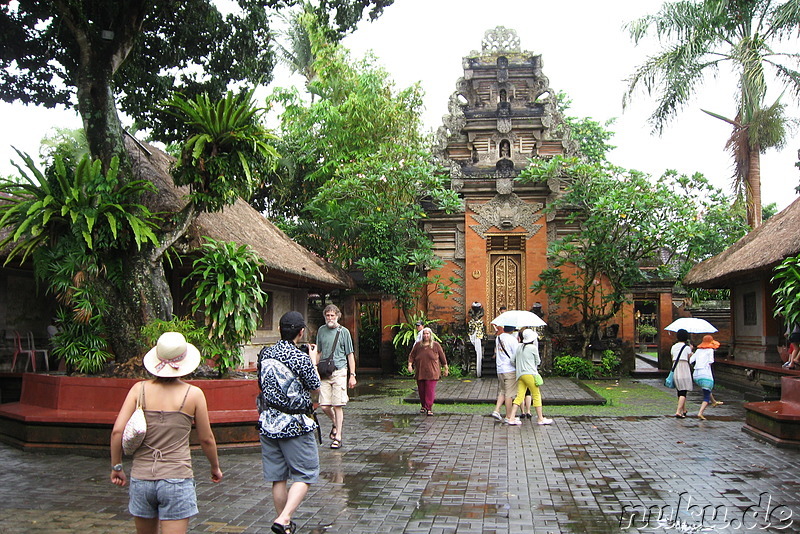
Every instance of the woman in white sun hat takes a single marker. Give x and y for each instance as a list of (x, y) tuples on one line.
[(162, 490)]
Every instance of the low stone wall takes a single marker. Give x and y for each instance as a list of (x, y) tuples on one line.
[(759, 382), (57, 413)]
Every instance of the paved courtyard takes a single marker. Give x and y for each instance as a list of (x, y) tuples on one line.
[(399, 471)]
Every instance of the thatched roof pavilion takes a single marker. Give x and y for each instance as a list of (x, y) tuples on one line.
[(761, 249)]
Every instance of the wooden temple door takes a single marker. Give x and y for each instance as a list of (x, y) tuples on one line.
[(506, 272)]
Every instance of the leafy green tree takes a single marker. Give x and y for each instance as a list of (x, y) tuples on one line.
[(592, 137), (701, 37), (99, 53), (355, 172), (141, 51), (620, 219)]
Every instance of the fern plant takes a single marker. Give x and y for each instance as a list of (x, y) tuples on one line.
[(219, 160), (85, 202)]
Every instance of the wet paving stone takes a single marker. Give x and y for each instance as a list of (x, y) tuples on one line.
[(459, 473)]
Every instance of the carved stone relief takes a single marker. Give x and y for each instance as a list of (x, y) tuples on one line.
[(504, 125), (461, 243), (505, 212), (500, 39), (504, 186)]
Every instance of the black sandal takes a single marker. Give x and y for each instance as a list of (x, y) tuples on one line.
[(277, 528), (332, 435), (336, 444)]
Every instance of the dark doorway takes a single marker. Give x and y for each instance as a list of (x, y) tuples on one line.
[(369, 334)]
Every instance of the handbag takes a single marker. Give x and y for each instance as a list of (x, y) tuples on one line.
[(537, 379), (670, 380), (135, 429), (326, 367)]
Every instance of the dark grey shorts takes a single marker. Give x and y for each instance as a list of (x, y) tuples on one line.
[(290, 458)]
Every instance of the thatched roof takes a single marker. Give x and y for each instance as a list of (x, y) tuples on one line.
[(287, 262), (760, 250)]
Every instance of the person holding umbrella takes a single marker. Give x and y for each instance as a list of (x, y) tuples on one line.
[(681, 352)]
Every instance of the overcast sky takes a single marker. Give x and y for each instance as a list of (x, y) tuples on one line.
[(585, 53)]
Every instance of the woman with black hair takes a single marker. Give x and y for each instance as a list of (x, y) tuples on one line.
[(681, 352)]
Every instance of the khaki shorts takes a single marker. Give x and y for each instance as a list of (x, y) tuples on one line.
[(507, 384), (333, 391)]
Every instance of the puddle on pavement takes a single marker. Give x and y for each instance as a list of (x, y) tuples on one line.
[(375, 389)]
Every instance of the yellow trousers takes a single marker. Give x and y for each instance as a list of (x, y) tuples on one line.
[(524, 383)]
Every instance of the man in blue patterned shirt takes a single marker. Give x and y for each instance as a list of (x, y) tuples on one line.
[(287, 377)]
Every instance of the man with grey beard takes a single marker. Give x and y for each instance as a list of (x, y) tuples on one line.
[(333, 338)]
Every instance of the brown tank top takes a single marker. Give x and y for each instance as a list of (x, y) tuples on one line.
[(165, 452)]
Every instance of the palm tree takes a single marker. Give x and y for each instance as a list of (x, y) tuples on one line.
[(298, 53), (699, 38)]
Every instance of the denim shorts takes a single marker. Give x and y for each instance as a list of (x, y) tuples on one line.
[(168, 499)]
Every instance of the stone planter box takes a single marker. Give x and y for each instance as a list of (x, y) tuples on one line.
[(777, 422), (76, 414)]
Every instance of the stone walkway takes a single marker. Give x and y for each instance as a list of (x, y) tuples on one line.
[(459, 473)]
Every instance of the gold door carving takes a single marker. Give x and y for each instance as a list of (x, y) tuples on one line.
[(505, 282)]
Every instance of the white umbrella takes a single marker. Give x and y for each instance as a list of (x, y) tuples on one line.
[(518, 319), (693, 325)]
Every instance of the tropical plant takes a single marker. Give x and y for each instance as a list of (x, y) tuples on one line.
[(216, 160), (622, 218), (297, 53), (573, 366), (787, 293), (226, 287), (699, 38), (81, 344), (75, 222), (86, 202), (646, 331), (456, 371), (406, 333)]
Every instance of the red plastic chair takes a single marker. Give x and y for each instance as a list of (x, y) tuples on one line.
[(19, 350)]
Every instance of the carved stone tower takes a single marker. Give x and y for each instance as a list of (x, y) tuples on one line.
[(502, 114)]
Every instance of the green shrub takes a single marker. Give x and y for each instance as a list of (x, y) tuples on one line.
[(609, 365), (573, 366), (456, 371)]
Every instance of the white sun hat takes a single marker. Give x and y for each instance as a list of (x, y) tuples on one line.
[(172, 356)]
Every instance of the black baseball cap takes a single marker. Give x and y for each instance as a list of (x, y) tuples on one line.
[(292, 319)]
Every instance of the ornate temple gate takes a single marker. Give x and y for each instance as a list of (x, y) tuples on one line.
[(506, 280)]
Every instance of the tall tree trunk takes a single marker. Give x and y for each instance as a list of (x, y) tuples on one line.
[(101, 123), (754, 188), (145, 296)]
